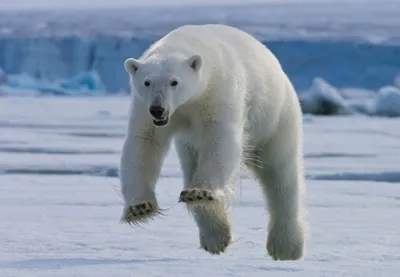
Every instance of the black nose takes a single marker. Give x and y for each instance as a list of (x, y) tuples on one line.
[(157, 111)]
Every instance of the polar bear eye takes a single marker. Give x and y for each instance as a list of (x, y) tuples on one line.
[(174, 83), (146, 83)]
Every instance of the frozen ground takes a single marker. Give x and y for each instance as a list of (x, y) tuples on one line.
[(59, 210)]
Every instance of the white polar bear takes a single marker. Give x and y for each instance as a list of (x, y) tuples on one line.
[(227, 102)]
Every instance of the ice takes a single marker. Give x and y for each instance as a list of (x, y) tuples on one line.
[(324, 99), (388, 101), (343, 64), (60, 204), (321, 98), (69, 57), (397, 80), (84, 84)]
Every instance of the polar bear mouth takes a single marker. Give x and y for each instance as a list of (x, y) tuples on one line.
[(161, 121)]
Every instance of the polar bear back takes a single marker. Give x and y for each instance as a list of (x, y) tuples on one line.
[(218, 45)]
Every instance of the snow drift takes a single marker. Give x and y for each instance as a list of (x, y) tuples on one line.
[(324, 99)]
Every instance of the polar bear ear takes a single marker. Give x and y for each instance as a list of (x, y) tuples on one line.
[(195, 62), (131, 65)]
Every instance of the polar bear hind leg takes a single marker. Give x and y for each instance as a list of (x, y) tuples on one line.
[(280, 175)]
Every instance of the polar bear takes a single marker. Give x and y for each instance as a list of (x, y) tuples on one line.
[(225, 100)]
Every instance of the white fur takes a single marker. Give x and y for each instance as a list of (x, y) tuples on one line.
[(233, 106)]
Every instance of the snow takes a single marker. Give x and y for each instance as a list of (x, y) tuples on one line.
[(60, 205), (324, 99), (388, 101), (316, 20)]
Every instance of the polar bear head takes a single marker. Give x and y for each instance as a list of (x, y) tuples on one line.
[(166, 83)]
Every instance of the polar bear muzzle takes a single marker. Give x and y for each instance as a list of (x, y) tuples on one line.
[(161, 122), (159, 114)]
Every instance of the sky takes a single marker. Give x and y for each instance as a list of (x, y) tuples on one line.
[(5, 4), (39, 4)]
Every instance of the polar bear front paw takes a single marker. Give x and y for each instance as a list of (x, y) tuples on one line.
[(196, 196), (286, 239), (141, 212)]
